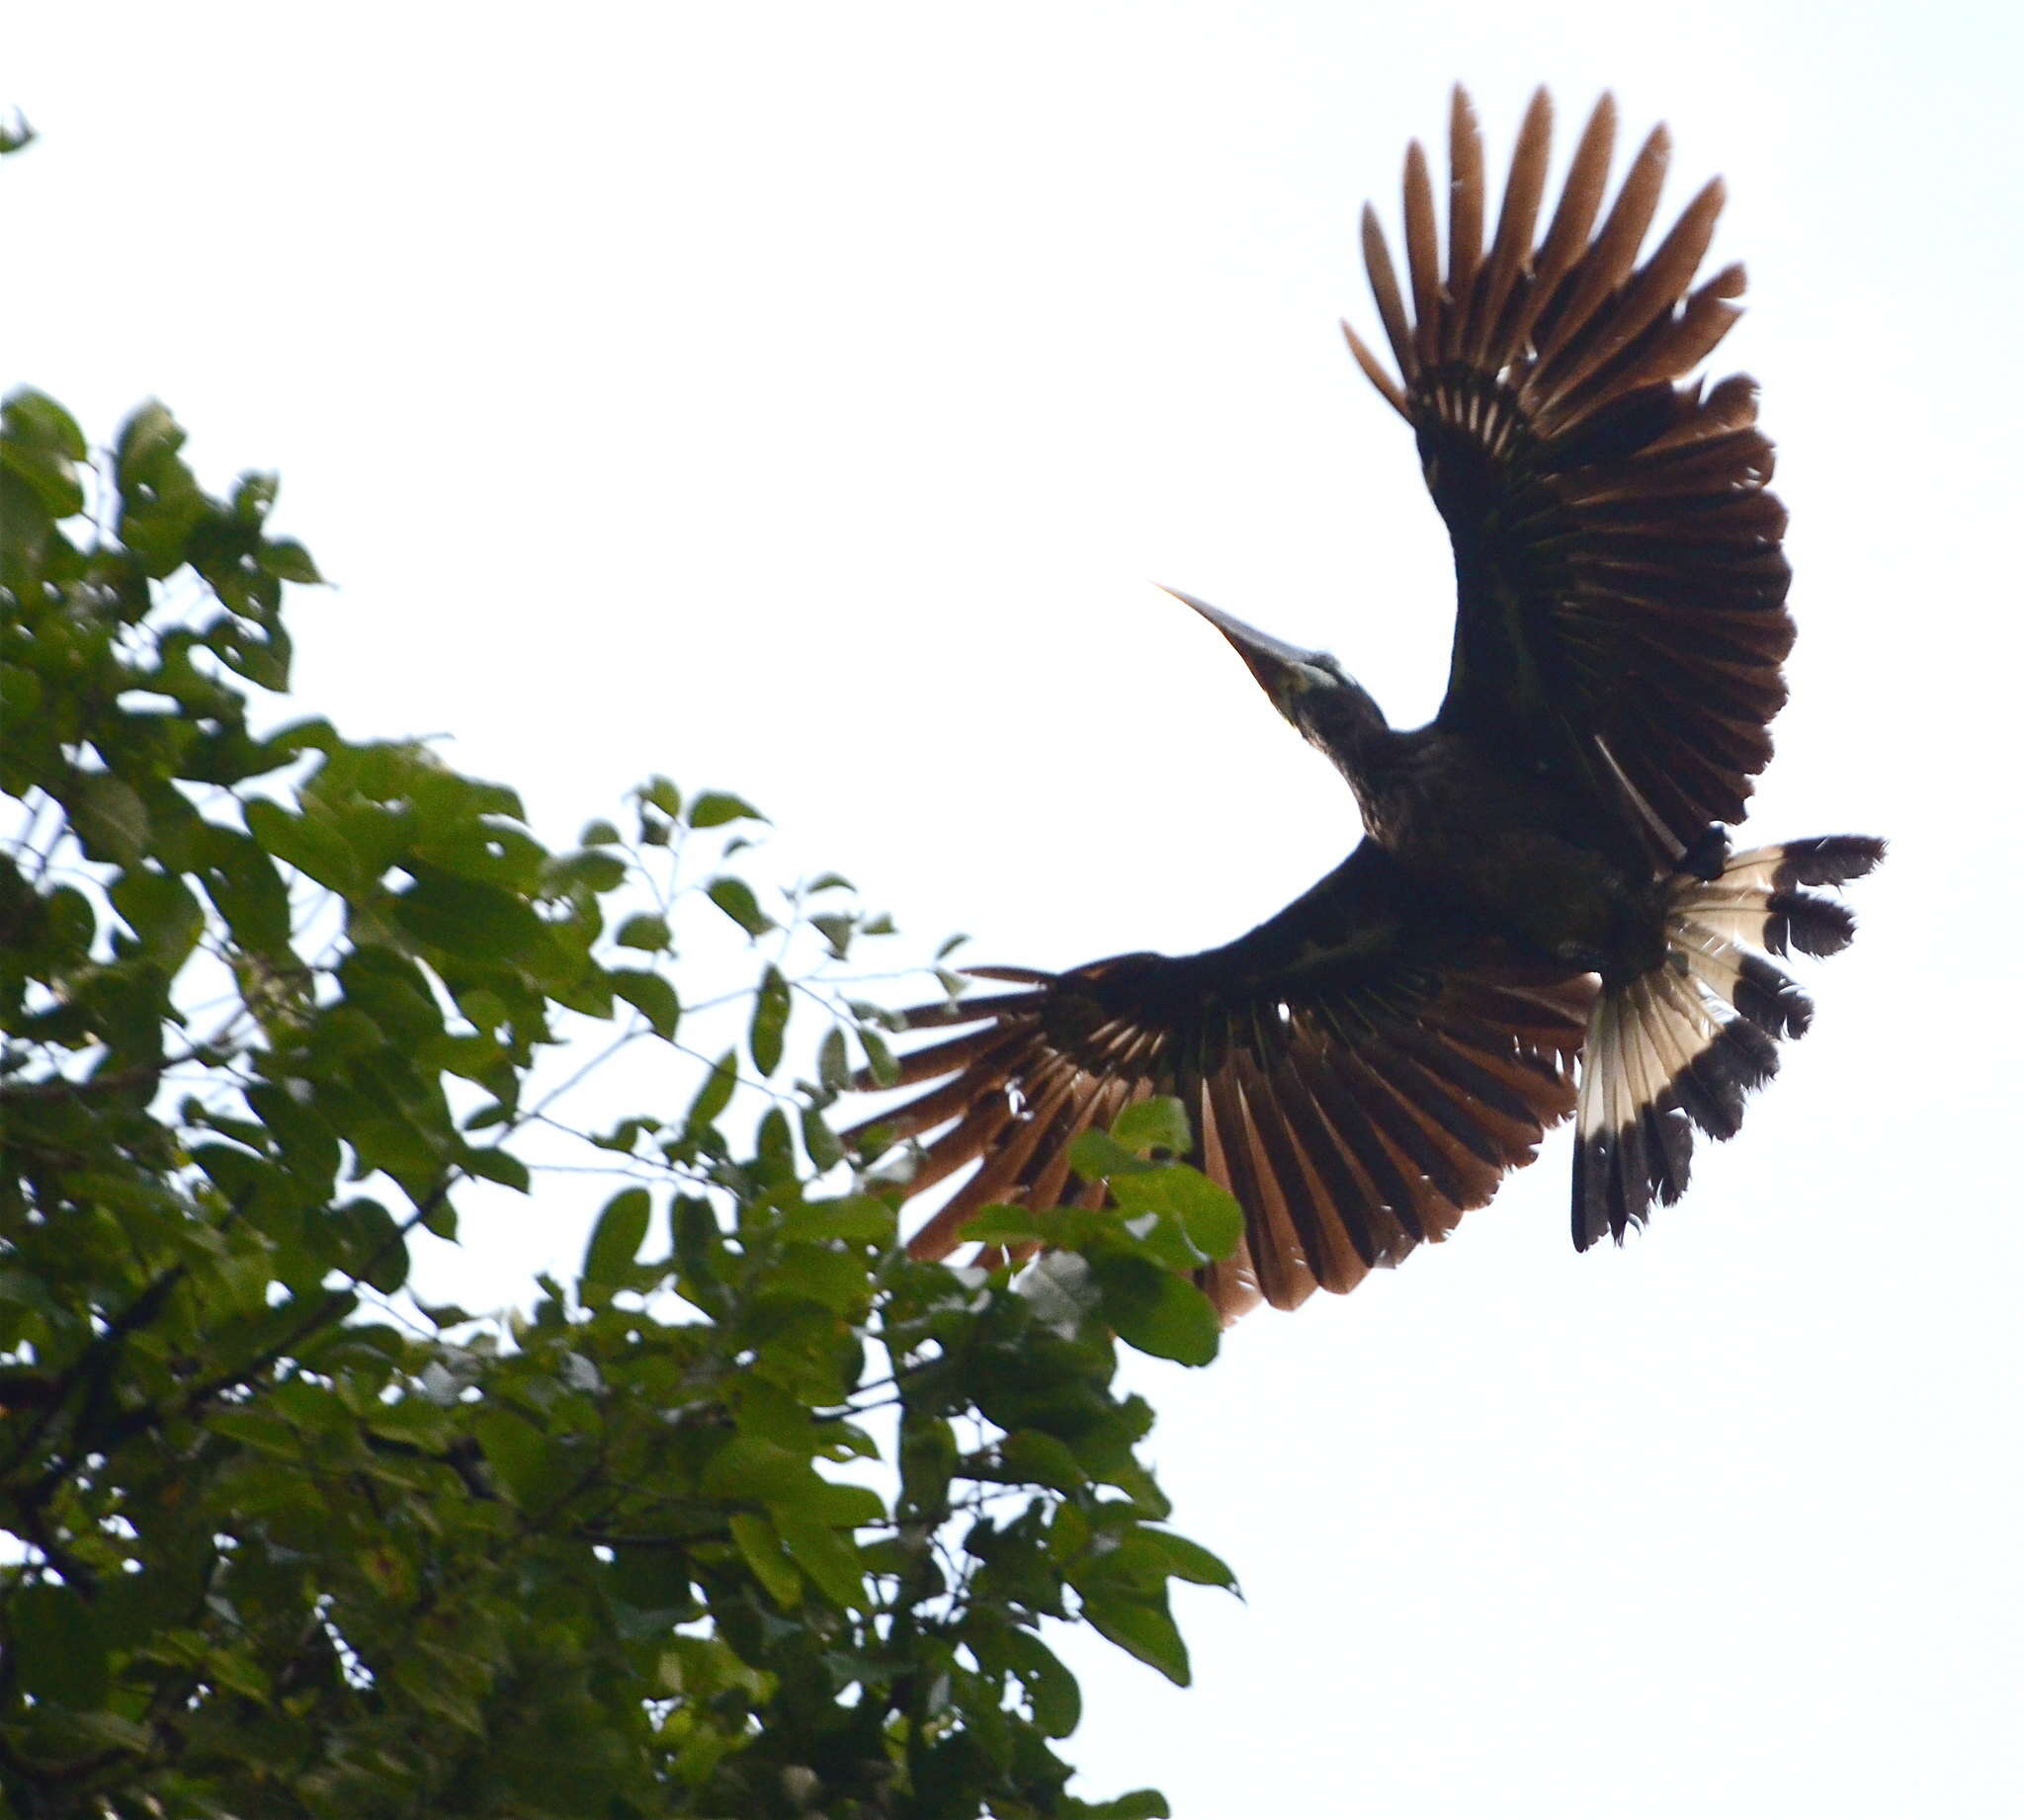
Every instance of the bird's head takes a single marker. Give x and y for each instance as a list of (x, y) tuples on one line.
[(1331, 708)]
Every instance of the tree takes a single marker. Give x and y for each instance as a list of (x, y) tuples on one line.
[(756, 1516)]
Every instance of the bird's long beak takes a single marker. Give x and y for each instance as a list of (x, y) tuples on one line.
[(1264, 655)]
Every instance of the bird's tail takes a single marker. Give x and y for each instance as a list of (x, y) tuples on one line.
[(1680, 1045)]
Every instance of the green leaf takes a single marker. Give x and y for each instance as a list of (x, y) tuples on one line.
[(664, 796), (313, 847), (1208, 1214), (1142, 1626), (1153, 1309), (768, 1020), (1140, 1805), (825, 1149), (716, 1094), (864, 1217), (368, 1243), (647, 933), (750, 1469), (1042, 1460), (840, 1506), (702, 1667), (834, 1279), (109, 817), (590, 868), (734, 897), (1004, 1225), (616, 1239), (253, 498), (625, 1134), (1188, 1560), (160, 909), (36, 419), (57, 1652), (1097, 1156), (759, 1542), (21, 693), (762, 1409), (40, 445), (1050, 1690), (836, 928), (879, 1056), (150, 436), (247, 889), (1062, 1290), (713, 807), (290, 562), (500, 1165), (515, 1452), (1158, 1123), (829, 1558), (651, 996)]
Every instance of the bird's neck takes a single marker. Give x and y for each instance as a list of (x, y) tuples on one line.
[(1351, 728)]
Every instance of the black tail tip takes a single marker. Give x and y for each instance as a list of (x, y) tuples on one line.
[(1830, 859)]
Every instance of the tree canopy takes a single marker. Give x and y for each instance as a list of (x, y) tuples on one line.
[(753, 1514)]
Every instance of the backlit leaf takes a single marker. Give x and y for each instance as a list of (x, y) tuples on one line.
[(713, 807), (1156, 1124), (1142, 1626), (651, 996), (616, 1239), (768, 1020), (1155, 1309), (646, 932), (759, 1542), (734, 897)]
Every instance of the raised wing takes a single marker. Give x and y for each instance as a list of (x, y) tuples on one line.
[(1359, 1072), (1621, 612)]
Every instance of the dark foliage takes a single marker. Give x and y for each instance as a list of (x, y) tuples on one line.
[(757, 1516)]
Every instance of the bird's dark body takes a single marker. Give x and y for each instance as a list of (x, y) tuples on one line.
[(1512, 847), (1544, 881)]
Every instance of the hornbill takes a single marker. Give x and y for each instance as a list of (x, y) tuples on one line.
[(1545, 893)]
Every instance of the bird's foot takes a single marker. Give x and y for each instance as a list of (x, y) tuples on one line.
[(1709, 852)]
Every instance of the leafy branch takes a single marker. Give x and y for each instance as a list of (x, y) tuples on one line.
[(754, 1514)]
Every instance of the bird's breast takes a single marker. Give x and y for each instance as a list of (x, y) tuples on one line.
[(1505, 849)]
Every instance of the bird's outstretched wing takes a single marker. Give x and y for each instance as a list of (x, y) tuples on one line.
[(1359, 1072), (1620, 611)]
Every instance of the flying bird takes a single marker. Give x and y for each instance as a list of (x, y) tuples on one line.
[(1545, 915)]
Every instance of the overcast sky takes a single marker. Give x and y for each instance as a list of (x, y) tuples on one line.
[(801, 399)]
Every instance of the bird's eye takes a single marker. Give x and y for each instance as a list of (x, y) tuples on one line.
[(1312, 676)]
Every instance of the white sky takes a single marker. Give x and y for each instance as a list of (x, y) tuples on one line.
[(800, 398)]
